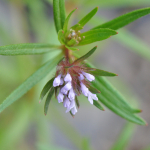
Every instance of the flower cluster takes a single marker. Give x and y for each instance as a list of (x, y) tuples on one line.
[(72, 81)]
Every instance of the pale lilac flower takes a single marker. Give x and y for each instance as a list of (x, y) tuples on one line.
[(72, 104), (92, 97), (61, 81), (66, 88), (81, 77), (66, 102), (56, 81), (71, 94), (88, 76), (84, 89), (68, 78), (74, 110), (60, 97)]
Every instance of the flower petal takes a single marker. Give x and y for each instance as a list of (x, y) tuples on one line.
[(60, 97)]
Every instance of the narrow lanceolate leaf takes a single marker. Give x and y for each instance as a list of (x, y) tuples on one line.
[(93, 90), (48, 99), (46, 88), (115, 104), (62, 12), (84, 56), (96, 35), (29, 83), (98, 72), (112, 99), (59, 13), (61, 36), (98, 105), (125, 19), (65, 27), (84, 20), (26, 49)]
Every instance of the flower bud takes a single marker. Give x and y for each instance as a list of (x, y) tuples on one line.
[(66, 88), (71, 95), (68, 78), (66, 102), (88, 76), (60, 97), (56, 81), (84, 89)]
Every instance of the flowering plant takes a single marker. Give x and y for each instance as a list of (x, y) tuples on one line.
[(73, 74)]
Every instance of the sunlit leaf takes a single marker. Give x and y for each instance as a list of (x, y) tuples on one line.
[(96, 35), (26, 49), (29, 83), (48, 99), (59, 14), (46, 88), (125, 19)]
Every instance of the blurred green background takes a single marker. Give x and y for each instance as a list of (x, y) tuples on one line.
[(24, 126)]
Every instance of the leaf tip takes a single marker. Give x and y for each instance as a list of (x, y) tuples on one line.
[(116, 32), (146, 124), (97, 7), (76, 8), (39, 101), (45, 114)]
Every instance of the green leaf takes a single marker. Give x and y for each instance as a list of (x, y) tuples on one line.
[(112, 99), (72, 48), (98, 105), (84, 56), (59, 13), (48, 99), (96, 35), (61, 36), (115, 102), (46, 88), (93, 90), (26, 49), (62, 12), (125, 19), (84, 20), (98, 72), (29, 83), (65, 27)]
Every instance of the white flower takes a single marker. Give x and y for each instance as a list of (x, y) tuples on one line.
[(66, 102), (81, 77), (71, 94), (60, 97), (88, 76), (72, 104), (92, 97), (68, 78), (66, 88), (84, 89), (56, 81), (74, 110)]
